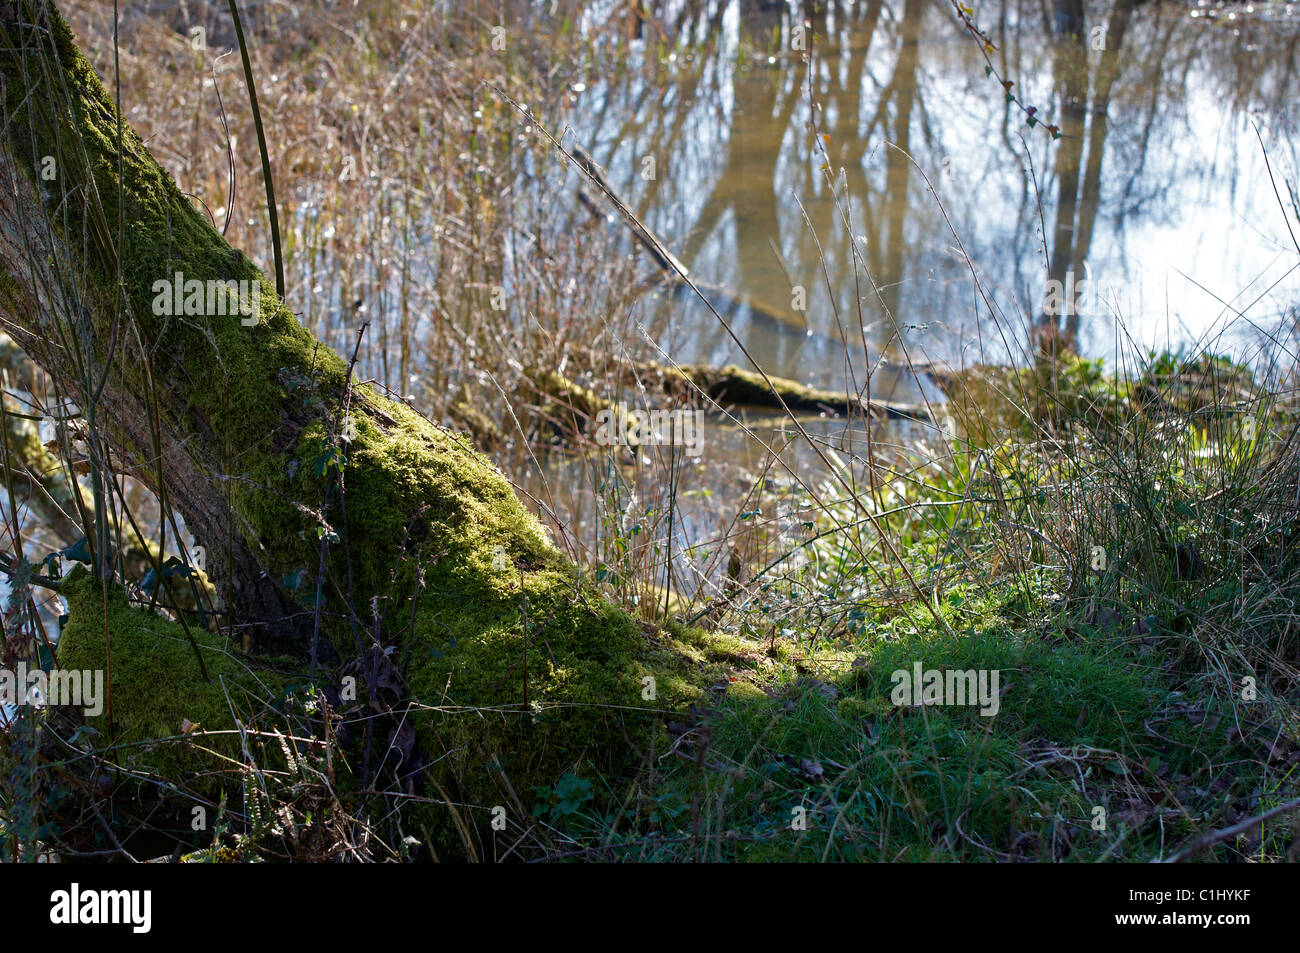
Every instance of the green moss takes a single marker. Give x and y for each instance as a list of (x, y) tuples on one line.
[(526, 708), (154, 686)]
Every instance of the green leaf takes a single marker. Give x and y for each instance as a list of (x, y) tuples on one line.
[(83, 731), (78, 551), (172, 567), (44, 657)]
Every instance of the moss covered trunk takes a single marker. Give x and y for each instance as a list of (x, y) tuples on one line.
[(250, 427), (238, 417), (89, 223)]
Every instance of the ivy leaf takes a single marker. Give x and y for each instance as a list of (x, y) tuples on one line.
[(44, 657), (332, 457), (83, 731), (172, 567), (78, 551)]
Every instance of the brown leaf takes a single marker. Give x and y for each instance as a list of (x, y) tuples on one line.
[(812, 770)]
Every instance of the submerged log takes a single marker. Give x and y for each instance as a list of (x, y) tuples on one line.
[(554, 408), (734, 385)]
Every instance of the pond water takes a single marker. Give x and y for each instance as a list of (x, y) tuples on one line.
[(873, 176)]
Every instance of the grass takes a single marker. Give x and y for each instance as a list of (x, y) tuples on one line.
[(1147, 695), (881, 782)]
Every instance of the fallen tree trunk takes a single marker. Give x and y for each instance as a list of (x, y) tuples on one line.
[(86, 230), (735, 385), (571, 408)]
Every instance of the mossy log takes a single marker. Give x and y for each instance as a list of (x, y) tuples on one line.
[(735, 385), (552, 406), (519, 669), (728, 387)]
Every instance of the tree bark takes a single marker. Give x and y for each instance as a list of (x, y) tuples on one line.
[(236, 423)]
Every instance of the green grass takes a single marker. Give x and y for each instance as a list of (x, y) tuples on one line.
[(1125, 726), (880, 782)]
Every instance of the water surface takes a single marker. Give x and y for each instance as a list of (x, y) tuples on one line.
[(877, 172)]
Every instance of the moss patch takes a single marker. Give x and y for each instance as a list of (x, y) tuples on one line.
[(154, 686)]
